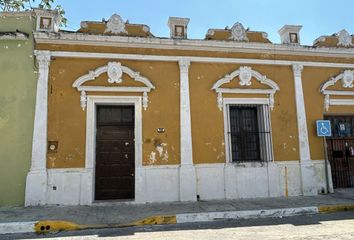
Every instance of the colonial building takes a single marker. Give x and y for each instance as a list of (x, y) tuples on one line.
[(124, 115)]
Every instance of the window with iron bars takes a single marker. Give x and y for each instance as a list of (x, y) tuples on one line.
[(249, 133)]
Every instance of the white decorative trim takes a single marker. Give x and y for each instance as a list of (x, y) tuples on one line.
[(266, 124), (113, 89), (245, 75), (210, 32), (92, 102), (186, 44), (344, 38), (238, 32), (146, 28), (89, 55), (341, 102), (114, 71), (264, 35), (338, 93), (347, 79), (83, 24), (83, 100), (115, 25), (307, 170)]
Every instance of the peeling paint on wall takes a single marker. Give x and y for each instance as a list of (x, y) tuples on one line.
[(220, 155), (161, 152), (152, 158)]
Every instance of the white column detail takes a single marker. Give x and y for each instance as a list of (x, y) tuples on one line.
[(307, 169), (36, 183), (188, 189)]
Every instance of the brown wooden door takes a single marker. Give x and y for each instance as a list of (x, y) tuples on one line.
[(114, 176), (340, 149)]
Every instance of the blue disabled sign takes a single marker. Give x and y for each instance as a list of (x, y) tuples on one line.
[(323, 128)]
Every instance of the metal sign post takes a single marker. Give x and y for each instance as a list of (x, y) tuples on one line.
[(324, 130)]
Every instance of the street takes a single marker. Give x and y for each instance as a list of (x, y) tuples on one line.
[(322, 226)]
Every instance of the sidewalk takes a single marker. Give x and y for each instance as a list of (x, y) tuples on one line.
[(120, 213)]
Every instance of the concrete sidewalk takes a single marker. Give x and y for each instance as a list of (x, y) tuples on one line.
[(121, 213)]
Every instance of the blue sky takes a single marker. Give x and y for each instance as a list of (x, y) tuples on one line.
[(317, 17)]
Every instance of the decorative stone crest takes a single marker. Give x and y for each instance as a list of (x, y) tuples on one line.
[(238, 32), (115, 25), (347, 79), (114, 72), (344, 38), (210, 32), (245, 76)]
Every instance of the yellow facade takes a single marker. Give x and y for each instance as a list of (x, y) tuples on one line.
[(163, 152)]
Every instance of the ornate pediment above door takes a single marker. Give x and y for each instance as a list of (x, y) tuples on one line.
[(115, 71), (245, 76), (347, 82)]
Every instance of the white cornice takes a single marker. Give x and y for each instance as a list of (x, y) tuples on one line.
[(187, 44), (195, 59)]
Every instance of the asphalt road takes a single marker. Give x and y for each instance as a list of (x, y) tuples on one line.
[(337, 226)]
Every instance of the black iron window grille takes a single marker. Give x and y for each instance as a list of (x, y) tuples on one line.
[(249, 133)]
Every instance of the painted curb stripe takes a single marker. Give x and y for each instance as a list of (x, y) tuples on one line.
[(335, 208), (52, 226), (168, 219), (213, 216), (17, 227)]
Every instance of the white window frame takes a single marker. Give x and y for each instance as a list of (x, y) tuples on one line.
[(92, 102), (267, 124)]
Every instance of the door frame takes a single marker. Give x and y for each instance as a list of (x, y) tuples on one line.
[(90, 162)]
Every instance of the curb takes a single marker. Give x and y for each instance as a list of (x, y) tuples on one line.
[(335, 208), (41, 227)]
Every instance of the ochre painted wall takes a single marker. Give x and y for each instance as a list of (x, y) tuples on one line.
[(313, 78), (67, 121), (208, 120)]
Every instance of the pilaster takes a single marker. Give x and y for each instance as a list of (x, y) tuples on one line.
[(36, 184), (307, 169), (188, 189)]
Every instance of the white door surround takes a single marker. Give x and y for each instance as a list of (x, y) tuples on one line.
[(92, 102)]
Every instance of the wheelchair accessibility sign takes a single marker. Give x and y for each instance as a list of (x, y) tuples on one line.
[(323, 128)]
